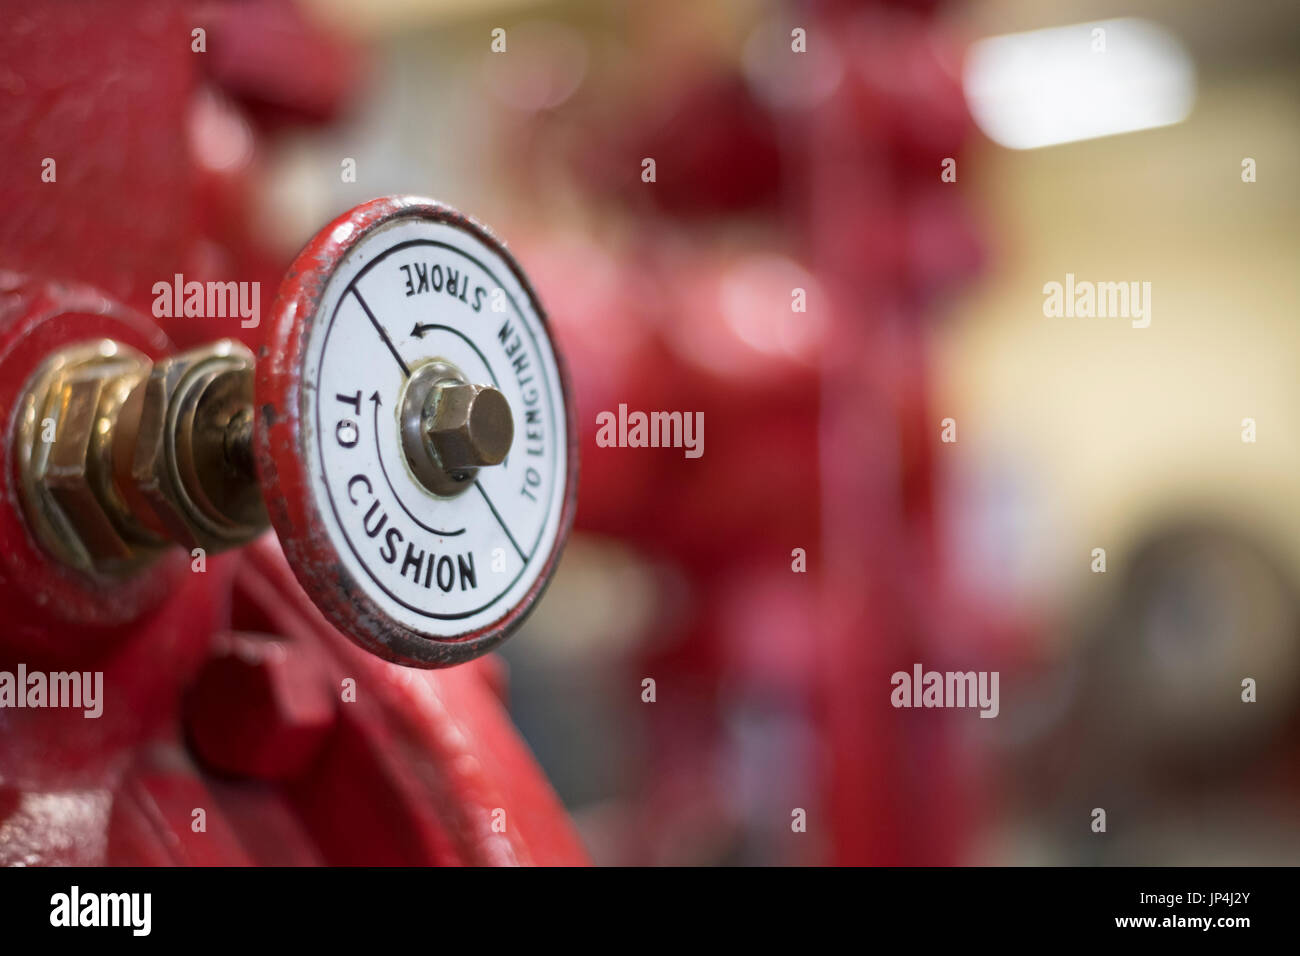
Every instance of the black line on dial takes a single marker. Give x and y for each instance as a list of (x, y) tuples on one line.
[(523, 557), (380, 329)]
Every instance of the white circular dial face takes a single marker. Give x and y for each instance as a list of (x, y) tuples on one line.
[(416, 291)]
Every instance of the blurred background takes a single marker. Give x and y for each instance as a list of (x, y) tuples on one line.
[(822, 171), (841, 262)]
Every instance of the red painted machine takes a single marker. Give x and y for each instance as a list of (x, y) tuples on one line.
[(779, 274), (236, 724), (240, 723)]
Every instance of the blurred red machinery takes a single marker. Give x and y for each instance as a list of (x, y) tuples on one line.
[(821, 173), (223, 738), (841, 179)]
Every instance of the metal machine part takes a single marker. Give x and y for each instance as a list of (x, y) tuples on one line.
[(408, 773), (407, 343), (451, 428), (65, 461), (382, 457), (118, 455)]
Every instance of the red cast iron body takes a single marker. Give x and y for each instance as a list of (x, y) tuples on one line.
[(238, 726)]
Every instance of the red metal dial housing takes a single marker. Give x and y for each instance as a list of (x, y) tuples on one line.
[(283, 446)]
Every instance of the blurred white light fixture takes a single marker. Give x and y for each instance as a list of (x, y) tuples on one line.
[(1077, 82)]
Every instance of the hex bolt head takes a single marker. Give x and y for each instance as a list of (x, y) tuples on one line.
[(259, 707), (118, 455), (68, 477), (68, 414), (469, 426)]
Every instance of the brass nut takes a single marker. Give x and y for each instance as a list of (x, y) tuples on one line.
[(119, 456), (69, 411), (180, 474)]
